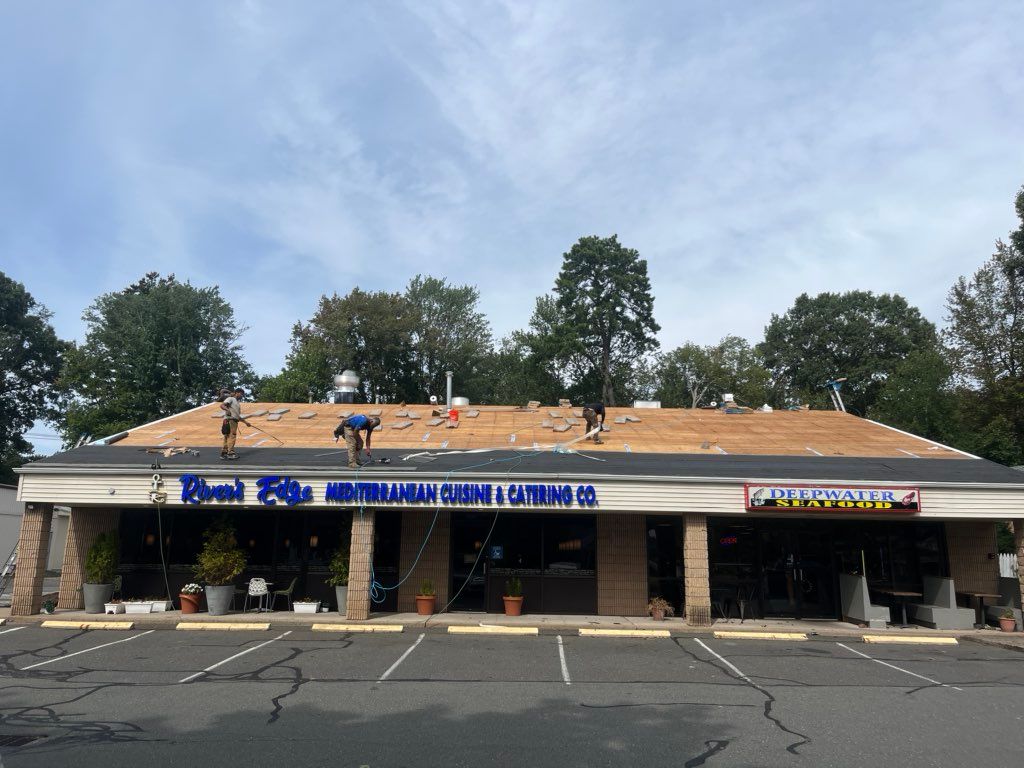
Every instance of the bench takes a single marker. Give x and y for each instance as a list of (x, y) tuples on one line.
[(856, 603), (938, 608), (1009, 591)]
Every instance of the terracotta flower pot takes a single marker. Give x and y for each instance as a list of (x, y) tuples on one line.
[(658, 614), (513, 606), (1007, 625), (425, 604), (190, 603)]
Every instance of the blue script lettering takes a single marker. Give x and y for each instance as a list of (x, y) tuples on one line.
[(284, 488), (195, 490)]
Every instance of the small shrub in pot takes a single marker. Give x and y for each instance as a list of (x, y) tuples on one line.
[(100, 567)]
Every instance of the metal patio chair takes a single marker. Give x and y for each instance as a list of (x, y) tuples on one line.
[(258, 589), (285, 593)]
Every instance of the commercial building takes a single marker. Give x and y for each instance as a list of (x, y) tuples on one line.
[(713, 510)]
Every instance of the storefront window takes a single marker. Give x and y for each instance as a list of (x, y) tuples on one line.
[(665, 559)]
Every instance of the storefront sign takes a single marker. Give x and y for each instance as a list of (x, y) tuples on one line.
[(273, 488), (816, 498)]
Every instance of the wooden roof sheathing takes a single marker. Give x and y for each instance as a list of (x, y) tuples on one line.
[(665, 430)]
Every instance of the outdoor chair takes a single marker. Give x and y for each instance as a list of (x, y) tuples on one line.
[(258, 589), (285, 593)]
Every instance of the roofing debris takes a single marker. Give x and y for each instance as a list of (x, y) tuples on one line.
[(307, 415), (401, 425), (274, 417), (434, 422), (279, 411)]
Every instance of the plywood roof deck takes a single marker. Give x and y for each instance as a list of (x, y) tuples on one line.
[(666, 430)]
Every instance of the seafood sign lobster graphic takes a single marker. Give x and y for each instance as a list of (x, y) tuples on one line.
[(832, 498)]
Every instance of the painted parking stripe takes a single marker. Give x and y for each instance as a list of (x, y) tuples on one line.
[(401, 658), (5, 631), (899, 669), (725, 661), (212, 667), (87, 650), (561, 658)]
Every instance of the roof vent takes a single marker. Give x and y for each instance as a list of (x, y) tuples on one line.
[(647, 403), (345, 384)]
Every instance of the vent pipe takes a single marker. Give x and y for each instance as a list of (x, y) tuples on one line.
[(449, 374), (345, 385)]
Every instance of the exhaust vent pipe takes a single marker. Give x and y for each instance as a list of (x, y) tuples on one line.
[(449, 374), (345, 385)]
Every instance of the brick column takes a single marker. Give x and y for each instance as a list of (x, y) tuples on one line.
[(434, 563), (360, 560), (695, 570), (970, 542), (83, 528), (33, 548), (621, 565), (1018, 540)]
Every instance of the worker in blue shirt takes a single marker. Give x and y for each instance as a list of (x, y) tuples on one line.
[(350, 428)]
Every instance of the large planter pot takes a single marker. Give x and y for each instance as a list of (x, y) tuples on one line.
[(513, 605), (141, 606), (218, 599), (190, 603), (425, 604), (96, 596), (1007, 625), (341, 595), (300, 607), (658, 614)]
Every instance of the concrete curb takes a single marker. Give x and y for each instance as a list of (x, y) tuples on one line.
[(649, 633), (491, 630), (996, 642), (739, 635), (358, 628), (910, 639), (88, 624), (223, 626)]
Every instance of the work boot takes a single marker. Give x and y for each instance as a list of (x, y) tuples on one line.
[(598, 441), (230, 456)]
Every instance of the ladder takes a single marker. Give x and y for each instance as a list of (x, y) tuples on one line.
[(7, 574)]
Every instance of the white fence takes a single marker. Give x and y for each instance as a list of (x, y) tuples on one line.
[(1007, 565)]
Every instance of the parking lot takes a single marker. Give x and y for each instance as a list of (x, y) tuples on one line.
[(163, 697)]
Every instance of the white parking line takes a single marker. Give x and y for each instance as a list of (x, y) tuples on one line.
[(561, 658), (401, 658), (899, 669), (724, 660), (87, 650), (5, 631), (232, 658)]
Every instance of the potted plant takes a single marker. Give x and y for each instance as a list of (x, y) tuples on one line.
[(339, 579), (159, 605), (100, 567), (1007, 621), (138, 605), (426, 599), (191, 598), (658, 608), (114, 606), (219, 564), (513, 597), (306, 605)]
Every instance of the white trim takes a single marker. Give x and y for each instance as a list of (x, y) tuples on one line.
[(100, 440), (924, 440)]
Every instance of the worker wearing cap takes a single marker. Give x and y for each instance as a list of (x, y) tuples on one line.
[(231, 405), (350, 428), (594, 414)]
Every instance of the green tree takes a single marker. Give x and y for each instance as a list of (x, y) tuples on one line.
[(370, 333), (30, 359), (917, 397), (985, 339), (607, 314), (691, 375), (858, 334), (514, 373), (151, 350), (450, 334)]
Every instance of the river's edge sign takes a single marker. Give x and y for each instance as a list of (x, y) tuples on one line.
[(831, 498)]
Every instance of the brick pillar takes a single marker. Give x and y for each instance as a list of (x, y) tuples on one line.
[(621, 565), (1018, 540), (33, 548), (83, 528), (970, 542), (435, 561), (695, 570), (360, 560)]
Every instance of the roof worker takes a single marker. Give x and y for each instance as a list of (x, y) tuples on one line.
[(594, 414), (231, 405), (350, 428)]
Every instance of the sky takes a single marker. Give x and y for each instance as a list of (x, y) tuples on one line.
[(749, 151)]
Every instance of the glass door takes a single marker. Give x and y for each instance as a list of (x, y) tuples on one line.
[(796, 572), (469, 529)]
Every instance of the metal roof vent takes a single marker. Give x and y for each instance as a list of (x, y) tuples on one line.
[(345, 384)]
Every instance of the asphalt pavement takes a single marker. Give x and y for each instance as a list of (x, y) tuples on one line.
[(300, 698)]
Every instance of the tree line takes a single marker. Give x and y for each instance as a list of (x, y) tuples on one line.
[(160, 346)]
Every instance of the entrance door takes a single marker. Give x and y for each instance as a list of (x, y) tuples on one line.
[(469, 530), (797, 574)]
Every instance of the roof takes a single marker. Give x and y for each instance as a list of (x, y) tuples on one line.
[(634, 430), (551, 464)]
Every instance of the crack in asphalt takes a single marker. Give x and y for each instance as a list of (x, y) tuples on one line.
[(713, 748), (769, 703)]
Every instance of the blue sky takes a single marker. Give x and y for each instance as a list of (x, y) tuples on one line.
[(750, 152)]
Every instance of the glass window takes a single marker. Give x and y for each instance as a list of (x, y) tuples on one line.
[(569, 545), (665, 559)]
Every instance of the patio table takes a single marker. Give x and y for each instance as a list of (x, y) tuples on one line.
[(901, 595), (979, 612)]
